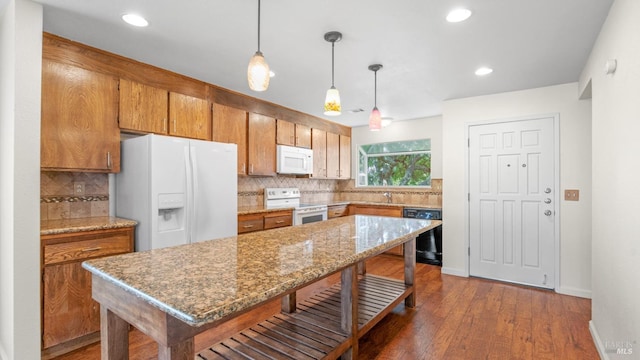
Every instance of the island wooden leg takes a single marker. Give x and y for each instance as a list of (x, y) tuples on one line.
[(182, 351), (349, 309), (410, 271), (362, 267), (288, 303), (114, 335)]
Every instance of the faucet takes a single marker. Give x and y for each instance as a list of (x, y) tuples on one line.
[(387, 194)]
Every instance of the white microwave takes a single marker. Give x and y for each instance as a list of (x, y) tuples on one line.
[(294, 160)]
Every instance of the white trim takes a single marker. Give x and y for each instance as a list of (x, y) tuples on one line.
[(454, 272), (556, 181), (566, 290), (597, 342)]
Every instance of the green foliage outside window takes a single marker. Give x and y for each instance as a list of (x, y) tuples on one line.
[(399, 163)]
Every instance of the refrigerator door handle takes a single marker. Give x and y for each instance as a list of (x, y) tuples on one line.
[(189, 202), (194, 207)]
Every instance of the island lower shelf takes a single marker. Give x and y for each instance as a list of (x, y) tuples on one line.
[(314, 330)]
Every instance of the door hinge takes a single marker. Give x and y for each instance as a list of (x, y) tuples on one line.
[(469, 197), (468, 142), (469, 251)]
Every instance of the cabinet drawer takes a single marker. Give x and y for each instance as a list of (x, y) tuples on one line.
[(251, 224), (277, 221), (337, 211), (89, 247)]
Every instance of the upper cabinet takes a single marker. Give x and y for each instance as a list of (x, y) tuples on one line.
[(148, 109), (291, 134), (331, 155), (261, 151), (79, 124), (229, 125), (143, 108), (319, 146), (189, 117)]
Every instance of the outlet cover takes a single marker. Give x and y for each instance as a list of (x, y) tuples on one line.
[(572, 195), (78, 188)]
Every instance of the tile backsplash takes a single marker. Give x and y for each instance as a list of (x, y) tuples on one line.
[(68, 195)]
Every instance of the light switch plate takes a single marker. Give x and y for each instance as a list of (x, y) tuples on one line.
[(572, 195)]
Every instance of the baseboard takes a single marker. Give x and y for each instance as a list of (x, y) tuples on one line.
[(454, 272), (596, 340), (566, 290)]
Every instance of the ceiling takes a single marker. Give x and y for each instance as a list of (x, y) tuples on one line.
[(426, 59)]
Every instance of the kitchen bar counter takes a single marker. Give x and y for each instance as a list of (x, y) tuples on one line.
[(64, 226), (174, 293)]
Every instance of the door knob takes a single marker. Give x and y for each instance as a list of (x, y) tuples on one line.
[(547, 212), (547, 201), (547, 190)]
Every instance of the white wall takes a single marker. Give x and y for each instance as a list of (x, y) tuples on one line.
[(20, 73), (575, 173), (422, 128), (616, 186)]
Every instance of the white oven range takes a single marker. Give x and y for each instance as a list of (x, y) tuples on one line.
[(277, 198)]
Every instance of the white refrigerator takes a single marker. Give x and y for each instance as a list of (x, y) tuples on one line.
[(180, 191)]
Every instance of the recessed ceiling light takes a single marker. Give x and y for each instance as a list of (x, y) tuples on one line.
[(484, 71), (135, 20), (457, 15), (271, 73), (386, 121)]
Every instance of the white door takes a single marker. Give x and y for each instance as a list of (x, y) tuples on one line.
[(512, 201)]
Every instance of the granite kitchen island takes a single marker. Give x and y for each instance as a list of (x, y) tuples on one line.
[(172, 294)]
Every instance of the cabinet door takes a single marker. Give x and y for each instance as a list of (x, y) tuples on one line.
[(79, 126), (189, 117), (333, 156), (229, 125), (319, 146), (262, 145), (345, 157), (143, 108), (285, 133), (69, 311), (303, 136)]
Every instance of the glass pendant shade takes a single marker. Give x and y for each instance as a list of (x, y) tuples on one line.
[(258, 73), (375, 120), (332, 105)]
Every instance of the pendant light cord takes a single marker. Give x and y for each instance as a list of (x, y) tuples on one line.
[(258, 25), (333, 44), (375, 89)]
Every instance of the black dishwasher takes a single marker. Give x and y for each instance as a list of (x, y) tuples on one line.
[(429, 243)]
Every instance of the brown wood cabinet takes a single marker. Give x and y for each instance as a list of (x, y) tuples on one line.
[(79, 126), (344, 171), (264, 221), (331, 155), (288, 133), (261, 152), (70, 317), (143, 108), (229, 125), (319, 146), (334, 211), (189, 116)]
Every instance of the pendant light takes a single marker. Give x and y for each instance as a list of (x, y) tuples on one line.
[(375, 120), (258, 70), (332, 105)]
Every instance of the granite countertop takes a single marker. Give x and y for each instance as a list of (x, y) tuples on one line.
[(245, 210), (63, 226), (207, 281)]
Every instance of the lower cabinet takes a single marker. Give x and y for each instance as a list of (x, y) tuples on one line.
[(334, 211), (70, 317), (264, 221)]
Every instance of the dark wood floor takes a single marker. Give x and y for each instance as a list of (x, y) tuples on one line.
[(455, 318)]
